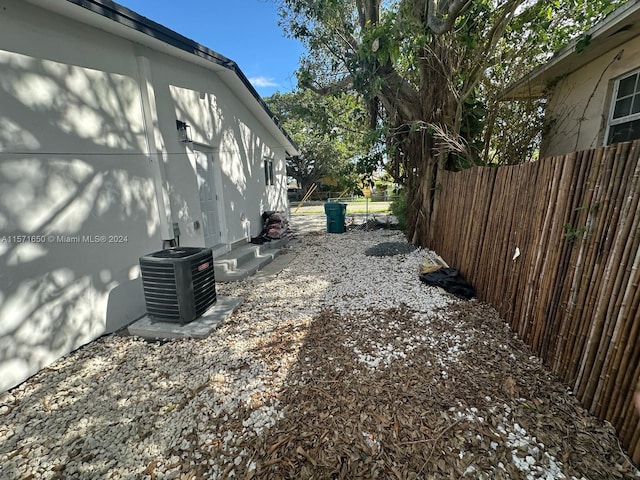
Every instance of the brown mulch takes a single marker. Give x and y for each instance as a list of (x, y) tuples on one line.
[(467, 401)]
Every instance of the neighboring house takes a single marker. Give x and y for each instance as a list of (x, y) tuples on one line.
[(592, 86), (95, 171)]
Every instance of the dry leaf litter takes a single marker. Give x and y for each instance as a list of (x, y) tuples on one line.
[(341, 366)]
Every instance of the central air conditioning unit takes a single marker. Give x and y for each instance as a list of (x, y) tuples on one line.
[(178, 283)]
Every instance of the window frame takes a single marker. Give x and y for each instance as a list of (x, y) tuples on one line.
[(268, 171), (611, 122)]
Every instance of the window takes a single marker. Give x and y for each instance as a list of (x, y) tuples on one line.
[(268, 171), (624, 117)]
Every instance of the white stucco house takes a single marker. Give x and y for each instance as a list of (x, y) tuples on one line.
[(95, 170), (592, 86)]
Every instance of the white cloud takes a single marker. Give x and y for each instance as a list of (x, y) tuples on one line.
[(263, 82)]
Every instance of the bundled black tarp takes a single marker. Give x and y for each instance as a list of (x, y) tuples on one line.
[(450, 280)]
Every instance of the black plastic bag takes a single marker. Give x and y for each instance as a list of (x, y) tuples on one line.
[(450, 280)]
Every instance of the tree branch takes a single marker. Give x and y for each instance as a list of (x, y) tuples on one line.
[(439, 21), (336, 87)]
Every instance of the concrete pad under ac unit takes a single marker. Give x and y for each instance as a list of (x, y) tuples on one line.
[(201, 327)]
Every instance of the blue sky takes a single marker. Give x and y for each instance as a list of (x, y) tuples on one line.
[(246, 31)]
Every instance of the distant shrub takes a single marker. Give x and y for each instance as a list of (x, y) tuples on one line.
[(399, 210)]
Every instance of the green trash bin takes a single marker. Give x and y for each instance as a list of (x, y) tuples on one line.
[(336, 213)]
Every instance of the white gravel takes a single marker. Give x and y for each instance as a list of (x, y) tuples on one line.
[(123, 407)]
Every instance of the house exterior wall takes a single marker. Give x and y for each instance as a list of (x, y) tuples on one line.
[(239, 143), (92, 176), (578, 106)]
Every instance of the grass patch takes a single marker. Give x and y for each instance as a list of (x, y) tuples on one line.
[(381, 207)]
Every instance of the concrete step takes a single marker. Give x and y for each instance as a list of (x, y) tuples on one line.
[(246, 260)]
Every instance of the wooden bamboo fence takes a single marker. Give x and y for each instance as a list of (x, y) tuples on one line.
[(572, 292)]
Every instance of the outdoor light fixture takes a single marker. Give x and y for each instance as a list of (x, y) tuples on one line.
[(184, 131)]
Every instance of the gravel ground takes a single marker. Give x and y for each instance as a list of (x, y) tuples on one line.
[(343, 365)]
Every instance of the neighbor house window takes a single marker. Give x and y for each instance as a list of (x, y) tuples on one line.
[(268, 171), (624, 117)]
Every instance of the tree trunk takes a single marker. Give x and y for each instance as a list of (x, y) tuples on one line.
[(421, 183), (423, 121)]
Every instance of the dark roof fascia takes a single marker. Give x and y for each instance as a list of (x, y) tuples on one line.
[(131, 19)]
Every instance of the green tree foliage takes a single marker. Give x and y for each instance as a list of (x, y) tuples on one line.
[(329, 131), (429, 72)]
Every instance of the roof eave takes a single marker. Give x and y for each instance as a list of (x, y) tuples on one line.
[(138, 28), (611, 32)]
